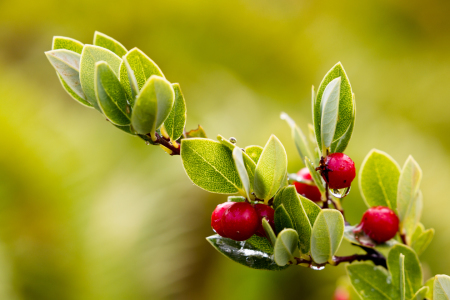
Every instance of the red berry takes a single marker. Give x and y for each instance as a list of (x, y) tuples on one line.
[(216, 217), (264, 211), (341, 294), (309, 191), (341, 171), (240, 221), (380, 223)]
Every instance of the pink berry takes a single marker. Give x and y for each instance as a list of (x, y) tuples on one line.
[(216, 217), (341, 294), (240, 221), (264, 211), (309, 191), (341, 171), (380, 223)]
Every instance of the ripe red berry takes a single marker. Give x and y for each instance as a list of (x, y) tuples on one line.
[(341, 294), (379, 223), (216, 217), (240, 221), (309, 191), (264, 211), (341, 171)]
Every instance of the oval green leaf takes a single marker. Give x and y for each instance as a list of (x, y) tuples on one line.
[(317, 178), (378, 179), (282, 219), (269, 231), (421, 293), (441, 288), (254, 152), (175, 122), (301, 143), (286, 247), (421, 239), (62, 42), (242, 171), (327, 234), (270, 171), (329, 112), (107, 42), (110, 95), (339, 145)]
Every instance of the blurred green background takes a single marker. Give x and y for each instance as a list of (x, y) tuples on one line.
[(88, 212)]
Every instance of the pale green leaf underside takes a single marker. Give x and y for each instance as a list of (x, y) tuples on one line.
[(240, 167), (327, 234), (286, 246), (301, 143), (441, 288), (153, 105), (421, 293), (421, 239), (107, 42), (371, 282), (430, 285), (175, 122), (339, 145), (413, 270), (110, 95), (210, 165), (329, 112), (378, 180), (270, 171), (282, 218), (143, 68), (345, 103), (61, 42), (315, 175), (126, 129), (254, 152), (269, 231), (89, 57), (401, 265)]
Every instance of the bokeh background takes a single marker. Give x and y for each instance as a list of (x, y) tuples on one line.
[(88, 212)]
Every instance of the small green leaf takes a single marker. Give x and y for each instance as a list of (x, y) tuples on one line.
[(143, 68), (413, 270), (345, 114), (339, 145), (67, 66), (282, 219), (235, 199), (152, 106), (110, 95), (421, 239), (430, 285), (401, 265), (315, 175), (378, 179), (240, 167), (327, 234), (286, 247), (260, 243), (301, 143), (175, 122), (210, 165), (421, 293), (271, 169), (329, 112), (248, 255), (107, 42), (61, 42), (254, 152), (409, 198), (441, 288), (372, 282), (133, 88), (89, 57), (196, 133), (269, 231)]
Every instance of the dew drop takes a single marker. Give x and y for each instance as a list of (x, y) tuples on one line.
[(249, 260), (233, 140), (317, 268), (341, 193), (147, 143)]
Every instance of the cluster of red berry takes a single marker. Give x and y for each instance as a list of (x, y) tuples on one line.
[(241, 220)]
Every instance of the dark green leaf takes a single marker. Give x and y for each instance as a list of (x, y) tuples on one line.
[(282, 219), (175, 122)]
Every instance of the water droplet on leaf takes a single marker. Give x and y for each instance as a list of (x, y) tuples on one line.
[(233, 140)]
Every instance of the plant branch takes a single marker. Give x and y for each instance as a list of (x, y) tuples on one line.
[(160, 140)]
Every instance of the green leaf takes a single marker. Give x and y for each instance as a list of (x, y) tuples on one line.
[(378, 179), (61, 42), (345, 114), (339, 145), (236, 199), (430, 285), (240, 167), (110, 95), (175, 122), (210, 165), (133, 87), (269, 231), (67, 66), (315, 175), (364, 240), (300, 210), (89, 57), (409, 198), (126, 129), (421, 293), (441, 288), (254, 152), (260, 243), (301, 143), (413, 270), (107, 42), (196, 133), (286, 247), (421, 239), (401, 265), (143, 68), (152, 106), (327, 234), (372, 282), (329, 112), (282, 219), (245, 253), (270, 171)]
